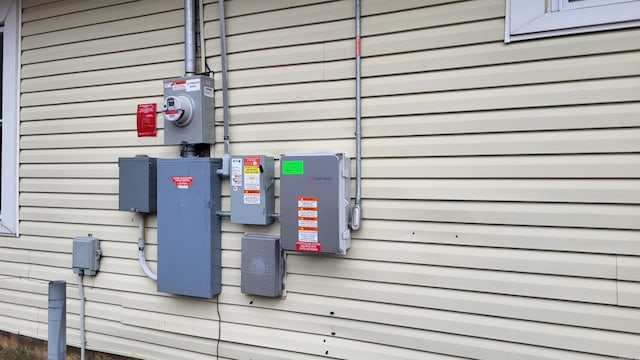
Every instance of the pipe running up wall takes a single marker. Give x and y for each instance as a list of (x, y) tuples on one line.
[(189, 37), (57, 327), (356, 211)]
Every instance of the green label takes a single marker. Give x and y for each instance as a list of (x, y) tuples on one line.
[(293, 167)]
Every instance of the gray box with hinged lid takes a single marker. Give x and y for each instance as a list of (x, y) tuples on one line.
[(137, 184), (86, 255)]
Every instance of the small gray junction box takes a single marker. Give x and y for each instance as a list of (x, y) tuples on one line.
[(314, 203), (252, 190), (262, 265), (137, 184), (189, 248), (86, 255)]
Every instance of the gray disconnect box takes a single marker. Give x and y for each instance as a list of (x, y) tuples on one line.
[(137, 184), (262, 268), (252, 190), (314, 203), (188, 110), (86, 255), (189, 248)]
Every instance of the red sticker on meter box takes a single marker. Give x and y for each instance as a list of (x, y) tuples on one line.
[(182, 182)]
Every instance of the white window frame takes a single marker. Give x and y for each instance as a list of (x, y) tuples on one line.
[(531, 19), (10, 23)]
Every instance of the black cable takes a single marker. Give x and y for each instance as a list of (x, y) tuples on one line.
[(219, 326)]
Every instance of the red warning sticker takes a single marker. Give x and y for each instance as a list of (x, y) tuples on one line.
[(146, 120), (308, 224), (308, 246), (182, 182)]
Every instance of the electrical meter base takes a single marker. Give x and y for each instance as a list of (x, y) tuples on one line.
[(188, 110)]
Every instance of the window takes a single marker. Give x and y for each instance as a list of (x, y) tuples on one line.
[(9, 67), (529, 19)]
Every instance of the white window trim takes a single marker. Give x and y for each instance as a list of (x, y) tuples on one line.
[(10, 16), (530, 19)]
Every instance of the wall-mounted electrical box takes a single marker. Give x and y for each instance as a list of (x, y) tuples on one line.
[(189, 249), (188, 110), (137, 184), (262, 268), (252, 190), (314, 203), (86, 255)]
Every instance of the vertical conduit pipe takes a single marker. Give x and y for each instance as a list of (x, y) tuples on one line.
[(83, 339), (225, 89), (189, 37), (141, 243), (356, 211), (57, 327), (203, 55)]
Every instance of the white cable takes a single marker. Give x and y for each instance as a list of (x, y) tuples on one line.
[(83, 340), (143, 262)]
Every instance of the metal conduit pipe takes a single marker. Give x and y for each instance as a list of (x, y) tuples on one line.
[(189, 37), (356, 211), (226, 158), (141, 258), (57, 315), (83, 339)]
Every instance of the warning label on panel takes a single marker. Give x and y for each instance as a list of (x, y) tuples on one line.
[(251, 170), (308, 224), (182, 182), (179, 85), (192, 85), (308, 246), (236, 173)]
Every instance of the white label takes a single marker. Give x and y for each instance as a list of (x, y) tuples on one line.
[(193, 85), (179, 87), (308, 223), (307, 236), (208, 92), (307, 213), (251, 199), (236, 172), (307, 204), (252, 181)]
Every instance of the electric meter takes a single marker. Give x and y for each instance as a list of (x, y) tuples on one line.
[(178, 110), (188, 110)]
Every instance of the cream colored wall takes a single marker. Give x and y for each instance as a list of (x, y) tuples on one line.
[(500, 181)]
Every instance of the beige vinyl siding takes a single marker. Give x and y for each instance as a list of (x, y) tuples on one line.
[(501, 192)]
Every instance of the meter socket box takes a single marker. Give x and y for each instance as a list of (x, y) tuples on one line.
[(252, 190), (314, 203), (189, 248), (137, 184), (188, 110)]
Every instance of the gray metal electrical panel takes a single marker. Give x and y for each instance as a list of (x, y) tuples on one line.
[(137, 184), (262, 268), (252, 190), (188, 110), (314, 203), (86, 255), (189, 249)]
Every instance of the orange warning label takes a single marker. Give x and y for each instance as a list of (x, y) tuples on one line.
[(308, 224)]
